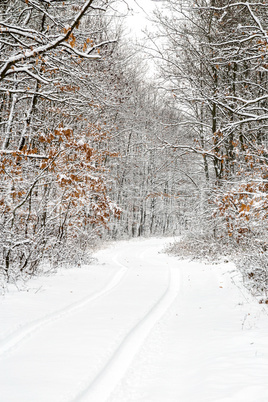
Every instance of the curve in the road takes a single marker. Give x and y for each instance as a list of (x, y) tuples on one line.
[(13, 340)]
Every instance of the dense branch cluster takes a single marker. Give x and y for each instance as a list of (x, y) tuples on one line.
[(53, 193), (214, 62), (85, 138)]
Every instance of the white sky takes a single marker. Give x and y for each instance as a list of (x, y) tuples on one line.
[(137, 15), (137, 20)]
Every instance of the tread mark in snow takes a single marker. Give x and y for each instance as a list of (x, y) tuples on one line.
[(12, 341), (107, 379)]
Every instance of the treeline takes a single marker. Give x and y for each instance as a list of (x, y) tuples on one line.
[(79, 133), (54, 96), (151, 184), (214, 62), (90, 147)]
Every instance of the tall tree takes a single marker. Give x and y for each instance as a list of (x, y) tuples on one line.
[(214, 62), (53, 192)]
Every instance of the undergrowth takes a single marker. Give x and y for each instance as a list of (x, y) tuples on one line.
[(249, 255)]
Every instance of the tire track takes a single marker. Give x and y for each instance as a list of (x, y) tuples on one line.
[(13, 340), (114, 370)]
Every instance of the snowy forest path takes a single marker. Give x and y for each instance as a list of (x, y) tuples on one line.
[(137, 325), (115, 368), (89, 344)]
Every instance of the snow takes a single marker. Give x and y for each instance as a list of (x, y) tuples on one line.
[(137, 325)]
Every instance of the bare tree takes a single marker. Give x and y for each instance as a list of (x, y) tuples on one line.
[(53, 192)]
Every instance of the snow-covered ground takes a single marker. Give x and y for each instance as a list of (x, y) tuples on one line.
[(137, 326)]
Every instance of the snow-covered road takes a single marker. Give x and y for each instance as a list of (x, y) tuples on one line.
[(137, 326)]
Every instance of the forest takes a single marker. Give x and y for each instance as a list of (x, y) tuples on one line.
[(92, 147)]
